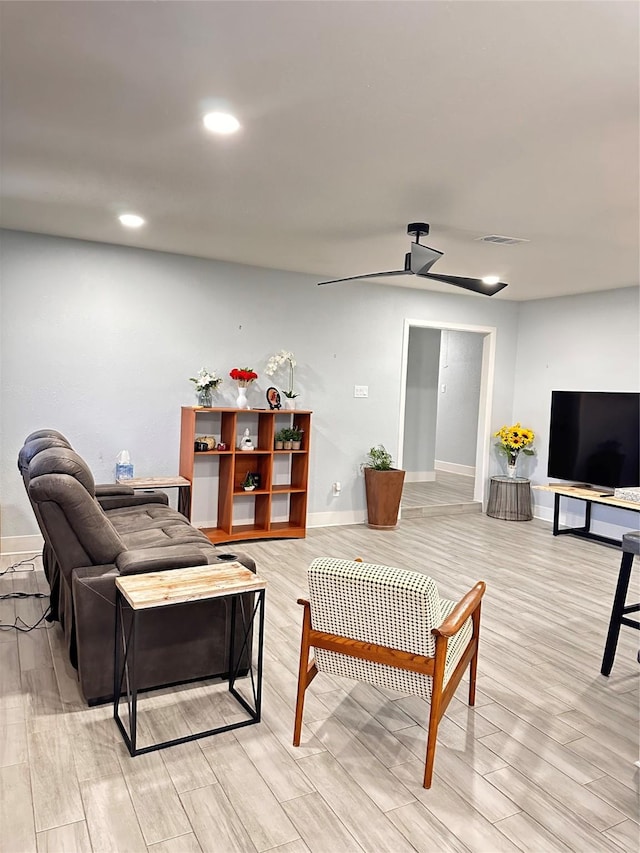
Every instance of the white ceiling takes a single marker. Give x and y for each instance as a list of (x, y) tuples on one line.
[(517, 119)]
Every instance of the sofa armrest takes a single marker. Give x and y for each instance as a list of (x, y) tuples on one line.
[(105, 489), (129, 498), (161, 559)]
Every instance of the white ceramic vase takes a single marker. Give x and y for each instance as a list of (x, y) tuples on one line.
[(242, 402), (290, 402)]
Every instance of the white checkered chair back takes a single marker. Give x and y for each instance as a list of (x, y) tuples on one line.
[(382, 605)]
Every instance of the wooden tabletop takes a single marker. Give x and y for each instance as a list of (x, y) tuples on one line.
[(154, 482), (588, 494), (194, 583)]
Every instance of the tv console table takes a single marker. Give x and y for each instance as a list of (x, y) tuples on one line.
[(588, 496)]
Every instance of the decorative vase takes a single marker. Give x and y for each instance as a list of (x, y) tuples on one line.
[(279, 445), (295, 445), (287, 445), (242, 402), (511, 470), (205, 398), (290, 402)]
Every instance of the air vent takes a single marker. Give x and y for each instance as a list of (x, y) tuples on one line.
[(504, 241)]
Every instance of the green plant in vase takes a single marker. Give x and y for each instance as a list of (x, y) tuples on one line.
[(249, 483), (296, 437), (383, 488)]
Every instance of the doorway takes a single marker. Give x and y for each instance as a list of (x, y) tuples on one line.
[(445, 416)]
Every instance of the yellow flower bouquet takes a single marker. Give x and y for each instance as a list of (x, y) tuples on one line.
[(514, 440)]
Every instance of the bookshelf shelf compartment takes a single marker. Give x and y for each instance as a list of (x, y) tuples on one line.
[(236, 517)]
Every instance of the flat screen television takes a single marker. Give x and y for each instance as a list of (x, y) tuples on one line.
[(594, 438)]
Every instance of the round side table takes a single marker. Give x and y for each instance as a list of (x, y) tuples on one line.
[(510, 499)]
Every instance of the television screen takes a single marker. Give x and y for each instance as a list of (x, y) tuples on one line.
[(594, 437)]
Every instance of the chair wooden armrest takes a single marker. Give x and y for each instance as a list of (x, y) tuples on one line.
[(461, 612)]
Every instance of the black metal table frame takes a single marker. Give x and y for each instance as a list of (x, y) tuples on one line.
[(619, 613), (124, 668), (585, 531)]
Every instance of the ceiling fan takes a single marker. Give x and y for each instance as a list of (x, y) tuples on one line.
[(420, 260)]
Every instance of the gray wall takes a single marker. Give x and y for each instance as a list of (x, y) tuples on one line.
[(460, 371), (421, 405), (98, 341), (585, 343)]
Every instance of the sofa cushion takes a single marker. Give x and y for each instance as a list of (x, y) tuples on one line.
[(133, 518), (169, 534), (74, 519), (37, 445), (62, 460)]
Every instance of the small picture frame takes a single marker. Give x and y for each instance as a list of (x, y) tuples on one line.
[(273, 398)]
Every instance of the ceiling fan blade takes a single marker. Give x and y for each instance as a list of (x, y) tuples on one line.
[(369, 275), (422, 258), (476, 285)]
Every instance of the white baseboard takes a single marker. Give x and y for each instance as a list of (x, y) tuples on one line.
[(21, 544), (420, 477), (454, 468), (334, 519)]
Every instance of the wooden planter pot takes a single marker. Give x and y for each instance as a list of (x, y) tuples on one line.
[(384, 492)]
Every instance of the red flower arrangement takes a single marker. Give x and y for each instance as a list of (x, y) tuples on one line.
[(243, 375)]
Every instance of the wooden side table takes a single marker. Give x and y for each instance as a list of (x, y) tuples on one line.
[(180, 483), (136, 594), (510, 499)]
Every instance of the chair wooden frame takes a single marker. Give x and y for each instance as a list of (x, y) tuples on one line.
[(467, 607)]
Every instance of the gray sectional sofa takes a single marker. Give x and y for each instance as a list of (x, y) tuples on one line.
[(94, 533)]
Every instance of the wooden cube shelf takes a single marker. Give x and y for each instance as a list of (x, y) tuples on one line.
[(233, 464)]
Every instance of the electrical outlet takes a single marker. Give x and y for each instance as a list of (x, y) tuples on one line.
[(360, 390)]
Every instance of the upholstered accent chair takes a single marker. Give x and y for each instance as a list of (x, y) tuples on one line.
[(388, 627)]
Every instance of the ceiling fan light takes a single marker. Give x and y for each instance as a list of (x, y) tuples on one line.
[(223, 123), (490, 279)]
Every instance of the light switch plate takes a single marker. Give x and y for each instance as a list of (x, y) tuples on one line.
[(360, 390)]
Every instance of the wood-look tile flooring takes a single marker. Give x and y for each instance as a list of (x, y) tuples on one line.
[(545, 762), (448, 494)]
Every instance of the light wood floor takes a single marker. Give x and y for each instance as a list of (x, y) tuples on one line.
[(448, 494), (545, 762)]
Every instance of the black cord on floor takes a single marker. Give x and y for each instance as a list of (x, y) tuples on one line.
[(28, 561), (23, 595), (21, 625)]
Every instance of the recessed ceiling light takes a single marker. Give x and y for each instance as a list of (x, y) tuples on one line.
[(490, 279), (223, 123), (131, 220)]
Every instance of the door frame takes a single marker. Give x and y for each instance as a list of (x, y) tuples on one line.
[(487, 373)]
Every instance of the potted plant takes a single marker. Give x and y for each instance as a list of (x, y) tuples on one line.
[(273, 366), (296, 437), (383, 486), (287, 437), (279, 440), (249, 483)]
